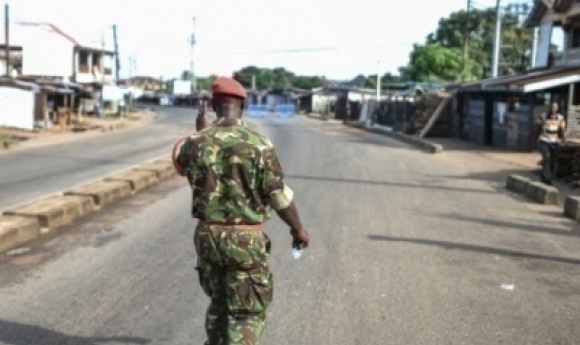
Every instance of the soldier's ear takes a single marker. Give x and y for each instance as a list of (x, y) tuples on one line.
[(242, 106)]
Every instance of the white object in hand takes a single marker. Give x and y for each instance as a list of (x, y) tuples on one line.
[(297, 253)]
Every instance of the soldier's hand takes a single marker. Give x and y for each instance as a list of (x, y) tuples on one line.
[(301, 238)]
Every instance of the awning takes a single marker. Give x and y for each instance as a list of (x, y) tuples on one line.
[(550, 83), (531, 81)]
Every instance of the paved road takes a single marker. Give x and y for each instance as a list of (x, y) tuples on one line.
[(32, 173), (407, 248)]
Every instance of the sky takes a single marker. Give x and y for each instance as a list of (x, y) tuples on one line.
[(336, 39)]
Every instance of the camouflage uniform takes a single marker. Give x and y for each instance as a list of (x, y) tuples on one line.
[(236, 178)]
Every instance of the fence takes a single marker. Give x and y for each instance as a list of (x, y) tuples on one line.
[(285, 110), (262, 110), (258, 110)]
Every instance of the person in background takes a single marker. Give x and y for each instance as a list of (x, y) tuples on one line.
[(550, 132)]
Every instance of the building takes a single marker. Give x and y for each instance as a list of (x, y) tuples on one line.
[(43, 51), (502, 112)]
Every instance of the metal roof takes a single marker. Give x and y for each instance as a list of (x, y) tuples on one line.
[(527, 82)]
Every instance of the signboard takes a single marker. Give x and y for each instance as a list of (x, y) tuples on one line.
[(501, 109), (112, 93), (181, 87), (16, 108)]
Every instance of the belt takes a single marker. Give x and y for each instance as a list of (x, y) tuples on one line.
[(235, 226)]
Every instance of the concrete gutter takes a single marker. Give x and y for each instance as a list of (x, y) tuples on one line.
[(543, 194), (409, 139), (31, 221), (416, 141), (535, 191)]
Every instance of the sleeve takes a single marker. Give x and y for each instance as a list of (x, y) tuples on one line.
[(273, 189), (186, 155)]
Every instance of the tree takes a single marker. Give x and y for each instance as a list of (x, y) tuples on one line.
[(276, 78), (447, 43), (204, 83), (432, 62), (186, 75)]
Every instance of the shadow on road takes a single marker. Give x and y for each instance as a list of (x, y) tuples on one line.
[(574, 231), (15, 333), (475, 248), (388, 184)]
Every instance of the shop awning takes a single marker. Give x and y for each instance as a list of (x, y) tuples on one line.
[(550, 83)]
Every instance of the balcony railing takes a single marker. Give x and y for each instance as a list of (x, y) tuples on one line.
[(566, 59), (84, 69)]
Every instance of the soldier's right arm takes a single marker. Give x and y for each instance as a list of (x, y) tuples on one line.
[(185, 157)]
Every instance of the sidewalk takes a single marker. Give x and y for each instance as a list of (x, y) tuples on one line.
[(91, 126), (321, 117), (500, 165), (527, 160)]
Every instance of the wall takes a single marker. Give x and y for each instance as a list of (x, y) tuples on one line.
[(16, 108), (475, 120), (44, 53)]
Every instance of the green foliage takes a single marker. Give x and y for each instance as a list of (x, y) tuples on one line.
[(204, 83), (276, 78), (441, 57)]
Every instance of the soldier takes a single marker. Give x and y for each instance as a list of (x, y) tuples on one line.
[(236, 178)]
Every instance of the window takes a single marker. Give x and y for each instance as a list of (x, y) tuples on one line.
[(576, 94), (83, 58)]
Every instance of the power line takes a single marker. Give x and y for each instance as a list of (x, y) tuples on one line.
[(307, 50)]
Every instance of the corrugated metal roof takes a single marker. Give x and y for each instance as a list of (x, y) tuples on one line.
[(536, 14), (519, 81)]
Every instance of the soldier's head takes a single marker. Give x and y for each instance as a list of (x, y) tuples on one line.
[(228, 97)]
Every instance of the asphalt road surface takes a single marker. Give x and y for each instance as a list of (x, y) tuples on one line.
[(29, 174), (407, 248)]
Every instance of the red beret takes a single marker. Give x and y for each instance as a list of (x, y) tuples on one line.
[(228, 86)]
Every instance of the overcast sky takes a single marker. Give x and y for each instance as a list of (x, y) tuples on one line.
[(337, 39)]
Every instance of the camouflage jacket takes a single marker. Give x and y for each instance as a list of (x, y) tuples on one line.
[(234, 173)]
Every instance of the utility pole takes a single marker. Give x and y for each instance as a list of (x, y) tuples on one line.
[(117, 63), (534, 48), (378, 81), (466, 41), (520, 9), (192, 44), (7, 38), (496, 46)]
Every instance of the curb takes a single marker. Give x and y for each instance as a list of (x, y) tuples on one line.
[(318, 117), (535, 191), (572, 207), (421, 143), (137, 179), (15, 231), (104, 193), (31, 221), (55, 212)]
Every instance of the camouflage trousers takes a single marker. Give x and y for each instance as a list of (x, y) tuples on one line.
[(233, 272)]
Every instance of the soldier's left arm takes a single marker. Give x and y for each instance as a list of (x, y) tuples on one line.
[(281, 198), (273, 189)]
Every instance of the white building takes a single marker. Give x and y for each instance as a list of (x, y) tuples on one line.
[(48, 52)]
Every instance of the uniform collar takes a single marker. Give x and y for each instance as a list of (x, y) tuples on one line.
[(228, 122)]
